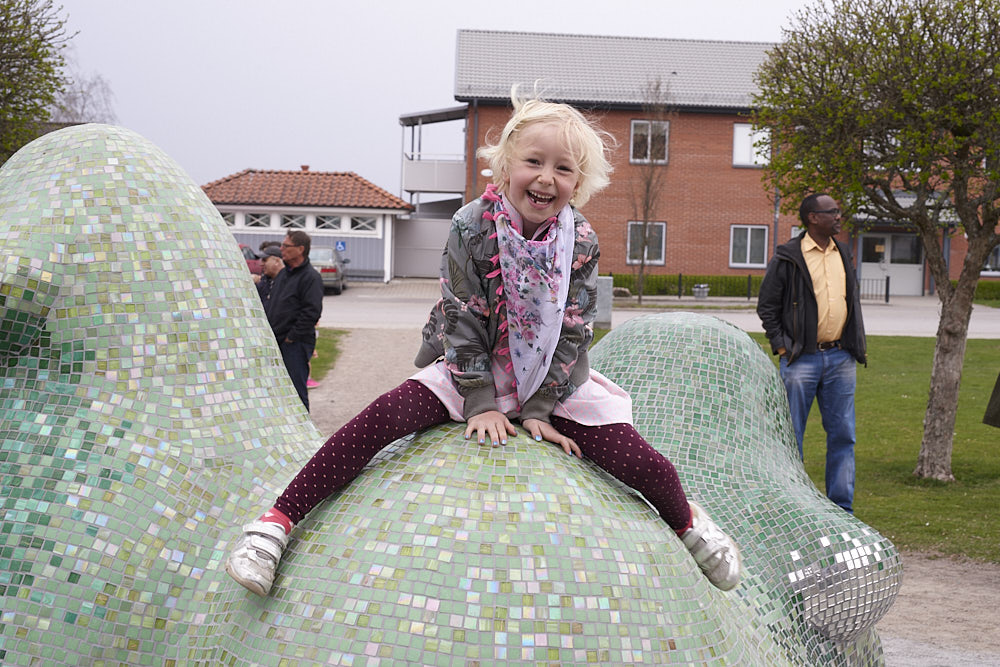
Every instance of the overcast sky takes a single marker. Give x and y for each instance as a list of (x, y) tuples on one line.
[(225, 85)]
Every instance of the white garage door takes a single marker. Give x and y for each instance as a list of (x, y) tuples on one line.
[(419, 243)]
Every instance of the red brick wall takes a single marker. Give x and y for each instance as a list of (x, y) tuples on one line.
[(703, 195)]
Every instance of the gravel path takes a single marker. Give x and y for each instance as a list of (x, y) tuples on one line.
[(943, 615)]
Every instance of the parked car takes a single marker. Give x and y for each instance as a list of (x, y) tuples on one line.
[(253, 261), (330, 265)]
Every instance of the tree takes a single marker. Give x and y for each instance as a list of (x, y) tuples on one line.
[(893, 106), (650, 146), (32, 37), (86, 98)]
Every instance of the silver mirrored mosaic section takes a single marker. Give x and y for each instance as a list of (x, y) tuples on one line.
[(146, 415)]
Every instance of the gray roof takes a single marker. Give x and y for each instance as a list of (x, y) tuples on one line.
[(605, 70)]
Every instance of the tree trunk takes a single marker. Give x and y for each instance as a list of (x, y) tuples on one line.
[(934, 461), (640, 282)]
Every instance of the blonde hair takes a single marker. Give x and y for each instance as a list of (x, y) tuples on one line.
[(588, 144)]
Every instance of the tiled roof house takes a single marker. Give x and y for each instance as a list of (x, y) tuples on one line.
[(715, 216), (338, 209)]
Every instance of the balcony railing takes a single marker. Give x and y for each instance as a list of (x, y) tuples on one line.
[(433, 173)]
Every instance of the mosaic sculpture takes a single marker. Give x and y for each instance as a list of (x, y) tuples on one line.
[(146, 415)]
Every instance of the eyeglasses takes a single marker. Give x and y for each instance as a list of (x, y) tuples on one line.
[(830, 211)]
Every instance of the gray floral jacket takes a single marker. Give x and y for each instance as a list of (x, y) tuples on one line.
[(463, 326)]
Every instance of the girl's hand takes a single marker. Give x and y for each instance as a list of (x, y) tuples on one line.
[(544, 431), (493, 424)]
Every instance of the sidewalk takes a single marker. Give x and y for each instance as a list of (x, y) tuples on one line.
[(404, 304)]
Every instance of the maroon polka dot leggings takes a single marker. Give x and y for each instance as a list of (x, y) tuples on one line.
[(617, 448)]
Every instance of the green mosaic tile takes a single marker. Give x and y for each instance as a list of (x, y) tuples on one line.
[(145, 414)]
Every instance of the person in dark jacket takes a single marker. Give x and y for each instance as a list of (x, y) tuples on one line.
[(992, 415), (271, 265), (293, 308), (811, 312)]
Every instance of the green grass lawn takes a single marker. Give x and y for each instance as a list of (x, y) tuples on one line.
[(327, 351), (958, 518)]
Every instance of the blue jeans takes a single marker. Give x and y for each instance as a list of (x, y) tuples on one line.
[(830, 377), (296, 356)]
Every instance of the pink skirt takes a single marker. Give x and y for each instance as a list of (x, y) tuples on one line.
[(596, 402)]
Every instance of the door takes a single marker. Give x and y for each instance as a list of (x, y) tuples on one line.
[(898, 256)]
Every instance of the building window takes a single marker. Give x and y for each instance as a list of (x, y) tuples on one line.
[(289, 221), (649, 141), (229, 219), (362, 223), (906, 249), (748, 246), (327, 222), (257, 219), (655, 247), (993, 261), (745, 153)]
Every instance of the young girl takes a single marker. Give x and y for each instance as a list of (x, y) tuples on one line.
[(518, 282)]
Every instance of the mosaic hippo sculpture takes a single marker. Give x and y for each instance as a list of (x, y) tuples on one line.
[(146, 415)]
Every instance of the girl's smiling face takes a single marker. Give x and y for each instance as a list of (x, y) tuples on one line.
[(542, 174)]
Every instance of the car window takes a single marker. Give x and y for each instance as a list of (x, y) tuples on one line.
[(321, 255)]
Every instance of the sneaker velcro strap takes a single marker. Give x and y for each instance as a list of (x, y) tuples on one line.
[(266, 536), (265, 544), (273, 530)]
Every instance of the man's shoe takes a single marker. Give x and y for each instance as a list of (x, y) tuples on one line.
[(716, 554), (255, 557)]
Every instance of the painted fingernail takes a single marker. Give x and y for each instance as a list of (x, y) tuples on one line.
[(482, 440), (503, 442), (538, 438)]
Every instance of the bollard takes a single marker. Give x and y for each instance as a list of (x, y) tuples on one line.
[(605, 297)]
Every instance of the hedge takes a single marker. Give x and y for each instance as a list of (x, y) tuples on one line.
[(740, 286), (747, 286)]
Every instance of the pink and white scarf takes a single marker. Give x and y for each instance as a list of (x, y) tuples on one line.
[(535, 277)]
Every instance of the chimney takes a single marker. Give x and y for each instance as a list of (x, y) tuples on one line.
[(305, 167)]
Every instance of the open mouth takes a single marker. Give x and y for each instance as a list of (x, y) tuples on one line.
[(540, 199)]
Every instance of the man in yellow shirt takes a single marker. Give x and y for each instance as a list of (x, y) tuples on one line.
[(811, 312)]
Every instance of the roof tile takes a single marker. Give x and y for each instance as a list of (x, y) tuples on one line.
[(606, 70), (340, 189)]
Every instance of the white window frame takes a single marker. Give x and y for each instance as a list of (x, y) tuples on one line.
[(661, 260), (229, 218), (650, 126), (364, 224), (747, 262), (292, 221), (338, 221), (247, 217), (745, 151)]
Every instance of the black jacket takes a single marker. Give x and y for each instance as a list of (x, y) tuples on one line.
[(264, 287), (787, 304), (295, 303), (992, 416)]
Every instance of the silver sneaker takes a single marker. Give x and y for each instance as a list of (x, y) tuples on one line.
[(716, 554), (255, 557)]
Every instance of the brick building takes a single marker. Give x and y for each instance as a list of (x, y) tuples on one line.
[(715, 216)]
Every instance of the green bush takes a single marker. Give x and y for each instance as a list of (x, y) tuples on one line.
[(668, 284), (988, 289)]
